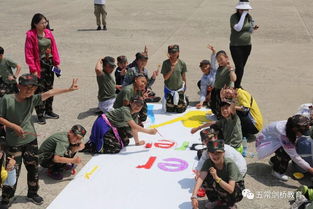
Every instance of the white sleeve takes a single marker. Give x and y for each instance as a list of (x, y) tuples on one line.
[(203, 158), (239, 25), (213, 63), (203, 90), (295, 157)]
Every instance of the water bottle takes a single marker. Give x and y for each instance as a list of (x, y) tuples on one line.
[(11, 179), (245, 147)]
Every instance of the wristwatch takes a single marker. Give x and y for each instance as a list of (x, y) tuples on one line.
[(193, 197)]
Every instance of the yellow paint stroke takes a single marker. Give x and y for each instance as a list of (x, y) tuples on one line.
[(190, 119), (88, 174)]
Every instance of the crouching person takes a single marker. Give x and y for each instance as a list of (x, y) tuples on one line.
[(57, 152), (111, 131), (225, 183)]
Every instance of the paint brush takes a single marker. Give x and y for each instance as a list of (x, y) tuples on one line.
[(159, 133)]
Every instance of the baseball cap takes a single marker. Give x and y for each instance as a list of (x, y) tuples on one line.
[(173, 48), (28, 79), (207, 134), (79, 130), (216, 146), (137, 100), (141, 56), (109, 60)]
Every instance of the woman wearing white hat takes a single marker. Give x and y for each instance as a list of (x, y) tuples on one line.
[(242, 25)]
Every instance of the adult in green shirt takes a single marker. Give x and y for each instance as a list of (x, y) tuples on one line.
[(15, 114), (57, 152), (174, 74), (7, 78), (242, 26), (224, 181), (106, 83)]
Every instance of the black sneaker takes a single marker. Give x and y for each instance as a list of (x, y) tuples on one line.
[(104, 27), (4, 204), (35, 198), (51, 115), (41, 120), (99, 27)]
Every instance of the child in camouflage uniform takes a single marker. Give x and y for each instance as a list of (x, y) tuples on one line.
[(111, 131), (7, 78), (15, 114), (57, 152)]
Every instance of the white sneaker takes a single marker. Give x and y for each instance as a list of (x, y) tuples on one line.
[(282, 177), (299, 201)]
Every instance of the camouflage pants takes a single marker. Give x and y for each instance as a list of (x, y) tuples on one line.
[(180, 107), (46, 81), (50, 164), (7, 88), (215, 192), (143, 113), (280, 161), (29, 154), (111, 145)]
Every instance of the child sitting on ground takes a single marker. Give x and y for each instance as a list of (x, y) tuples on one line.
[(229, 125), (207, 80), (111, 131), (225, 76), (8, 84), (211, 135), (57, 152), (222, 177)]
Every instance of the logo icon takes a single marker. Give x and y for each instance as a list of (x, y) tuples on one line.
[(248, 194)]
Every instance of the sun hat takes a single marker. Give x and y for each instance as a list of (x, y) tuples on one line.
[(243, 4)]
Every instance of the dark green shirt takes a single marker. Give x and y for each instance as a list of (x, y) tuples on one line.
[(231, 129), (120, 117), (229, 172), (126, 93), (106, 85), (19, 113), (243, 37), (56, 144), (6, 66), (174, 82), (222, 78)]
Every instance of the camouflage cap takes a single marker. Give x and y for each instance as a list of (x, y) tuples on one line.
[(28, 79), (208, 134), (173, 48), (216, 146), (79, 130)]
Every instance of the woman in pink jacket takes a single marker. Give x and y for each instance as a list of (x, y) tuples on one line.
[(41, 54)]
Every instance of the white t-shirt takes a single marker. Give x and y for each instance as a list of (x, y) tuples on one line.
[(231, 153), (99, 1)]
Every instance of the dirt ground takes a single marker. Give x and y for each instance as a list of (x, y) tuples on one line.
[(278, 73)]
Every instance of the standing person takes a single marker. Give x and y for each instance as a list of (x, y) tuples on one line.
[(242, 26), (100, 10), (15, 113), (174, 74), (280, 138), (222, 177), (7, 78), (57, 152), (120, 72), (106, 83), (207, 80), (41, 54)]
